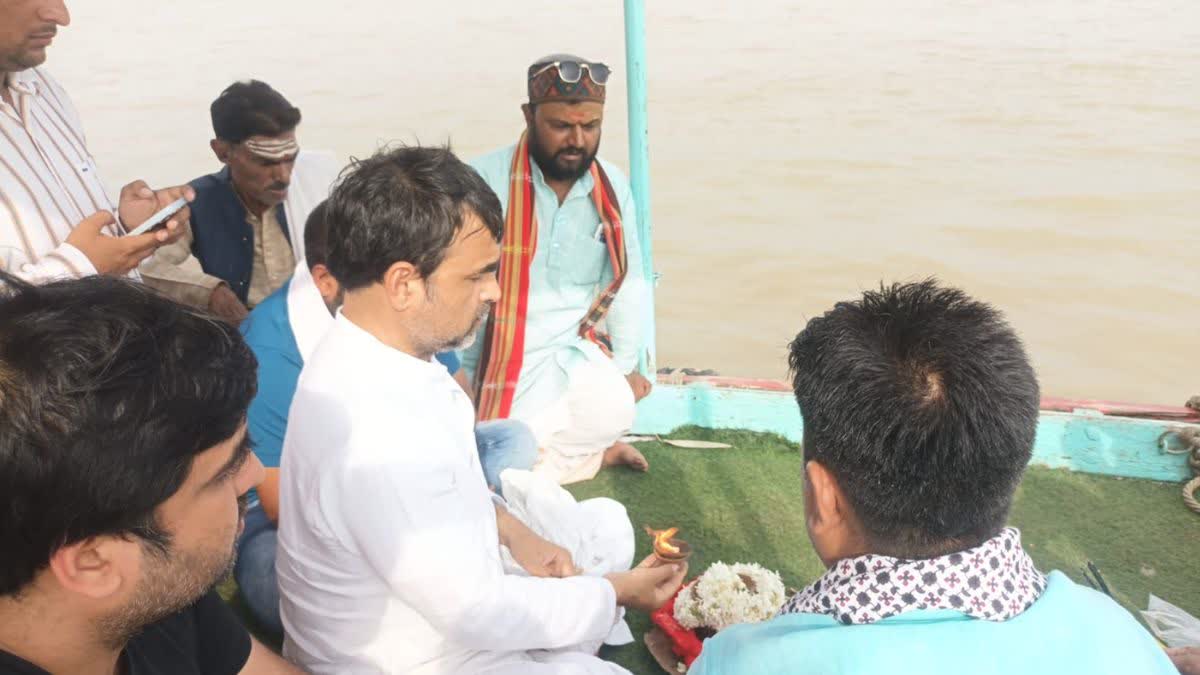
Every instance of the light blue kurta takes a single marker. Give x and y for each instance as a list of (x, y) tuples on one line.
[(569, 269), (1070, 629)]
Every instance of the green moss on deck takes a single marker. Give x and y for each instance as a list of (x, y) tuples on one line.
[(744, 505)]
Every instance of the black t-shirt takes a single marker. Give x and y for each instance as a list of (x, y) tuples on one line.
[(205, 639)]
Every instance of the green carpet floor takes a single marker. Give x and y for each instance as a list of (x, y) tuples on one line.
[(745, 505)]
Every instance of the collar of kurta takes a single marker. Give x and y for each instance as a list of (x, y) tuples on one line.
[(372, 348), (995, 581), (307, 314), (24, 81)]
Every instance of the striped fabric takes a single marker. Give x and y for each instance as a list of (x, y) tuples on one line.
[(504, 342), (48, 180)]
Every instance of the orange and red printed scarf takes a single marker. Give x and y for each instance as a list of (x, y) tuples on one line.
[(504, 342)]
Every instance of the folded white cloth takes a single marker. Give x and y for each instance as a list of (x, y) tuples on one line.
[(596, 532)]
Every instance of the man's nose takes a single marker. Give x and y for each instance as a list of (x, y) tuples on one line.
[(56, 13), (491, 291), (576, 136)]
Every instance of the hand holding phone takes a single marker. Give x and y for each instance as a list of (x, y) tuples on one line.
[(160, 217)]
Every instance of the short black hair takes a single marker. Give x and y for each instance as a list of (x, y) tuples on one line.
[(316, 236), (403, 204), (922, 403), (107, 393), (252, 108)]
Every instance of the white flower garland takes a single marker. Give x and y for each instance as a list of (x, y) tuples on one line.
[(721, 597)]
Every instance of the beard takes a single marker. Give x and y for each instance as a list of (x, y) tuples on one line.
[(22, 60), (561, 165), (170, 582), (468, 338), (427, 341)]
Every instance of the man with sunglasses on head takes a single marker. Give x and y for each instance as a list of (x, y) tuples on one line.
[(560, 349)]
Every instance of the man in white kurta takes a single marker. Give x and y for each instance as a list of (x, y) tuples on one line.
[(391, 547)]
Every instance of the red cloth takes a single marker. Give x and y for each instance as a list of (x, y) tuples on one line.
[(684, 642)]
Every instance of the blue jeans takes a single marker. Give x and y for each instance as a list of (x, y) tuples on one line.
[(503, 444), (255, 569)]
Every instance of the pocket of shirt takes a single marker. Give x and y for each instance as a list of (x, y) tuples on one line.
[(587, 260)]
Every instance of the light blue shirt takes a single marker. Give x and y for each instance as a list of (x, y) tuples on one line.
[(569, 270), (1070, 629)]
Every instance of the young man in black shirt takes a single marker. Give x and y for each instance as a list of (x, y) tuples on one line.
[(124, 464)]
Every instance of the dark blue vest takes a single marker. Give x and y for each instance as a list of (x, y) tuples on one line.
[(222, 240)]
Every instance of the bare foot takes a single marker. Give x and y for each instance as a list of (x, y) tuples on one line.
[(624, 453)]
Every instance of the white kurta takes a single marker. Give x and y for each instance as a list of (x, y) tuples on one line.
[(389, 559)]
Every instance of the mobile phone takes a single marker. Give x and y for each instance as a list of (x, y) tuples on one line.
[(160, 217)]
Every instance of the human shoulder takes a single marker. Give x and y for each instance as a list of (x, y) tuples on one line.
[(54, 94), (770, 647), (210, 184), (351, 376), (203, 638), (494, 167), (1063, 597)]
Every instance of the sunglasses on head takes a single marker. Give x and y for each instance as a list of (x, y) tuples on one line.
[(571, 71)]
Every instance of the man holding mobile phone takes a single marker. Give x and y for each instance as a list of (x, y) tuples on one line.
[(56, 220)]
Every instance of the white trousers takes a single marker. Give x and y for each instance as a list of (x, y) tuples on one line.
[(596, 409)]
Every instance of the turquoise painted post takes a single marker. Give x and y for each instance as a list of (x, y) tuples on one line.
[(639, 162)]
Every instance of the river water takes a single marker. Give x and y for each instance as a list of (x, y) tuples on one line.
[(1045, 156)]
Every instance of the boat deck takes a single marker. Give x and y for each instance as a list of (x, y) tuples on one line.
[(745, 505)]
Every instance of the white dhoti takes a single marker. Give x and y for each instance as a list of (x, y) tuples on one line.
[(573, 432), (598, 535)]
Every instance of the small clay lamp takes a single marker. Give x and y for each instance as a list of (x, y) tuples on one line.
[(667, 548)]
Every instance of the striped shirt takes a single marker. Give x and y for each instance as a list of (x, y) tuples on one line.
[(48, 180)]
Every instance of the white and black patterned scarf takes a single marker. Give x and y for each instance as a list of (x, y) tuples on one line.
[(994, 581)]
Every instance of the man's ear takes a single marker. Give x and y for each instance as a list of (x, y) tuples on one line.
[(528, 111), (403, 285), (824, 507), (97, 567), (833, 524), (221, 149), (326, 284)]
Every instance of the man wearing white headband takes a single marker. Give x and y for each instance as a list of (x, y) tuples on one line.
[(247, 219)]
